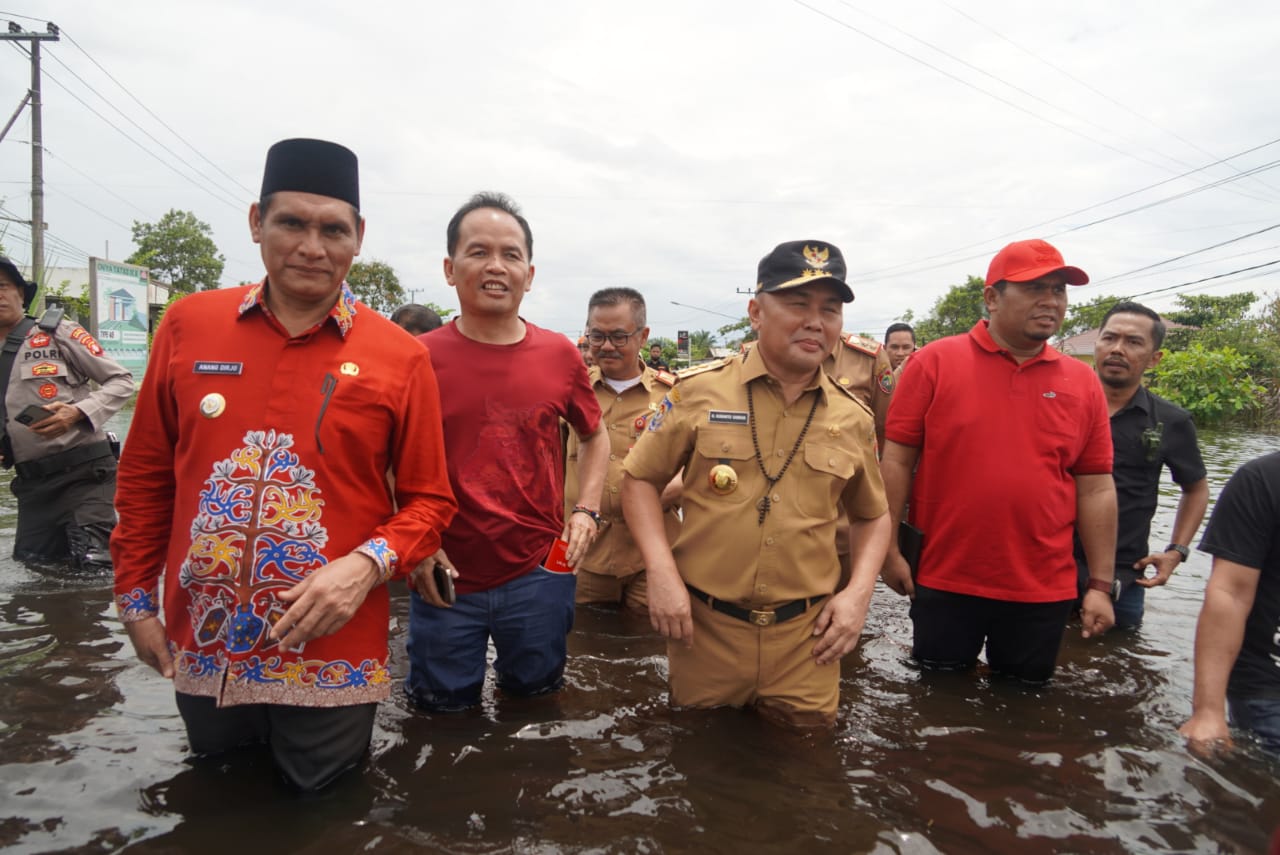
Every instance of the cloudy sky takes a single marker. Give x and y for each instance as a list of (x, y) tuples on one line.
[(668, 145)]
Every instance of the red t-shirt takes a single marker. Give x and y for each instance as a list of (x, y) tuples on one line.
[(1000, 444), (502, 406)]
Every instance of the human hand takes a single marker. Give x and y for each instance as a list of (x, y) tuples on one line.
[(62, 418), (150, 644), (839, 627), (423, 579), (1164, 562), (669, 609), (1206, 733), (324, 601), (1097, 615), (896, 573), (580, 532)]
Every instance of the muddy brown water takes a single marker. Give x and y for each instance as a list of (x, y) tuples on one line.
[(93, 754)]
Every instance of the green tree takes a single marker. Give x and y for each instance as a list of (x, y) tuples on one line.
[(954, 312), (377, 286), (1207, 311), (700, 344), (743, 326), (179, 250), (76, 307), (1213, 384), (1082, 317), (443, 312)]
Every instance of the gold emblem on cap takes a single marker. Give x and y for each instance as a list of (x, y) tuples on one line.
[(844, 381), (349, 368), (816, 257), (723, 479), (212, 405)]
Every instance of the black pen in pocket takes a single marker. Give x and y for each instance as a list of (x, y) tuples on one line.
[(330, 383)]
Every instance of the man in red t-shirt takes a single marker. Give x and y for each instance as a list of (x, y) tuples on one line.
[(1010, 447), (505, 384)]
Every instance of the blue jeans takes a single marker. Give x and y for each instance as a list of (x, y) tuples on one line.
[(1261, 715), (528, 619), (1132, 602)]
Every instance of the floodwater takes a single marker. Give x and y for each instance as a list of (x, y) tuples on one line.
[(93, 754)]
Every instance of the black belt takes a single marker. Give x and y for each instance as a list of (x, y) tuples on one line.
[(63, 460), (759, 617)]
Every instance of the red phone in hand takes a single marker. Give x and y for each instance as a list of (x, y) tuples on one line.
[(555, 558)]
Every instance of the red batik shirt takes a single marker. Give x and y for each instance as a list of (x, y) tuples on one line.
[(255, 458)]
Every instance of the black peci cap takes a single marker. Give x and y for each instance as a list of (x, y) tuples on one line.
[(313, 166)]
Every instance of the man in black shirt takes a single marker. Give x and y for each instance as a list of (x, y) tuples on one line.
[(655, 358), (1148, 434), (1238, 635)]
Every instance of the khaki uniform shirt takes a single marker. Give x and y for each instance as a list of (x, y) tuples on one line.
[(862, 366), (723, 548), (624, 415), (57, 366)]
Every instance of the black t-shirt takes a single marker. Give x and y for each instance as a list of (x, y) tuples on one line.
[(1148, 434), (1245, 529), (657, 364)]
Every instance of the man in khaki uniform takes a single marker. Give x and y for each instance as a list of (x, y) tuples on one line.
[(861, 366), (772, 449), (629, 392)]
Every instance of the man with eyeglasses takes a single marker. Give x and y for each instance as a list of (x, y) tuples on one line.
[(629, 392)]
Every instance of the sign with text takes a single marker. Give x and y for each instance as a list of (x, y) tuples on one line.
[(682, 344), (118, 312)]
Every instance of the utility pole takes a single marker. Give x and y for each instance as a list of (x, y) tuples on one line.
[(16, 33)]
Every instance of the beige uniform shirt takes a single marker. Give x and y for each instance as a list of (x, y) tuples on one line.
[(57, 366), (862, 366), (624, 415), (723, 548)]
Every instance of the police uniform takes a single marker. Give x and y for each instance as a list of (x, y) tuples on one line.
[(65, 486), (613, 569), (772, 573)]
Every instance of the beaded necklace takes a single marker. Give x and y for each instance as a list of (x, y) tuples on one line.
[(765, 503)]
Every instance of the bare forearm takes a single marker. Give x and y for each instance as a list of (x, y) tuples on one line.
[(868, 544), (1191, 509), (1096, 516), (896, 468), (1219, 635), (593, 465)]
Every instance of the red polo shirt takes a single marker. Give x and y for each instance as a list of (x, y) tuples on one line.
[(1000, 446)]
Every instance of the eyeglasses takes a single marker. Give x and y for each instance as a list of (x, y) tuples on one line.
[(617, 339)]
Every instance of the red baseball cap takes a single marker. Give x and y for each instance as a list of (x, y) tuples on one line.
[(1024, 260)]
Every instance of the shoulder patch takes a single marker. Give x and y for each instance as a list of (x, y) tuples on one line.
[(665, 377), (886, 380), (861, 343), (702, 369)]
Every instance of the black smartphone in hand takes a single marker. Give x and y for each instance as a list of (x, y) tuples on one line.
[(444, 583), (31, 414)]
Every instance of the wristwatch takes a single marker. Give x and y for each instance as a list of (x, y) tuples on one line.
[(1111, 589), (1180, 549)]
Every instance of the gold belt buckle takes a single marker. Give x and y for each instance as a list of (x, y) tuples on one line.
[(764, 618)]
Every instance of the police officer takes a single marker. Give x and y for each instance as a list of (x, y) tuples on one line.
[(65, 468), (773, 450), (629, 392)]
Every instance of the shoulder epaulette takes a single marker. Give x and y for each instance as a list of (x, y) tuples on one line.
[(665, 377), (861, 343), (702, 369)]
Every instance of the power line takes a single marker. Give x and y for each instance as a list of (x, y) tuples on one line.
[(1209, 278), (235, 205), (152, 114), (979, 89), (1131, 111), (1189, 254), (1026, 92)]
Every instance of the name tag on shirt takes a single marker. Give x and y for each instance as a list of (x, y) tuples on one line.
[(727, 417), (204, 367)]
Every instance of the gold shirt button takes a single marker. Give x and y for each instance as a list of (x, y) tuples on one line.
[(613, 489), (831, 462), (615, 457), (762, 589), (777, 498), (724, 446), (768, 541)]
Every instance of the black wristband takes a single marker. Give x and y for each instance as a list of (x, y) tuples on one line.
[(583, 509)]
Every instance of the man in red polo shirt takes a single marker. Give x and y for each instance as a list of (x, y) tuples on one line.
[(1011, 452)]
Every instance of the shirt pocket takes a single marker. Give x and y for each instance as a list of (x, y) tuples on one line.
[(1058, 415), (827, 468), (726, 446)]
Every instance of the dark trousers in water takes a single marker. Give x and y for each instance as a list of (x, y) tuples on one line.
[(311, 746), (1022, 639), (67, 515)]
